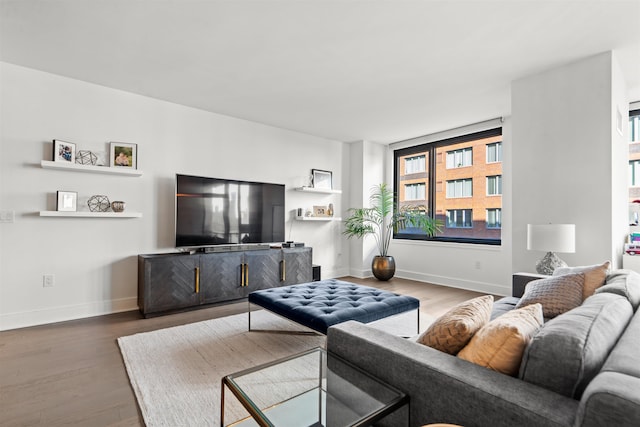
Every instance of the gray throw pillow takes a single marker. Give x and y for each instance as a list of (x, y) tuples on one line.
[(556, 294)]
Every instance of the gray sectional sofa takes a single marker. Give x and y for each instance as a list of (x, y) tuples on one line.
[(581, 369)]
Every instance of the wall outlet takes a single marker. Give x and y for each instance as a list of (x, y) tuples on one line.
[(48, 280), (478, 265), (7, 216)]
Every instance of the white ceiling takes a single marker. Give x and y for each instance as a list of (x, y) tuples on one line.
[(341, 69)]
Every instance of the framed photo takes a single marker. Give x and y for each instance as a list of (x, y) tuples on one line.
[(64, 151), (123, 154), (322, 179), (320, 211), (67, 201)]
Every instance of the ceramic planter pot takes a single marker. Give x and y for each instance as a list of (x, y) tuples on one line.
[(383, 267)]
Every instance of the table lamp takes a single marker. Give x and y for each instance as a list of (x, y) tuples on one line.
[(551, 238)]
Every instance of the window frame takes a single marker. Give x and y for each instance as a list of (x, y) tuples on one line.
[(424, 163), (497, 185), (431, 148), (415, 184), (498, 216), (496, 144)]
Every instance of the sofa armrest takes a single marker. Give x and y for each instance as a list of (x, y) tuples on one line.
[(520, 280), (444, 388), (611, 399)]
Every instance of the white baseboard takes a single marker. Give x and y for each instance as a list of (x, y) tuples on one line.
[(455, 282), (331, 274), (63, 313)]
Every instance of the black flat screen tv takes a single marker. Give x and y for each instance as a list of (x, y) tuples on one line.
[(215, 211)]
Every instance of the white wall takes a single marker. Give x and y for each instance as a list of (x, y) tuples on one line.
[(94, 260), (569, 161)]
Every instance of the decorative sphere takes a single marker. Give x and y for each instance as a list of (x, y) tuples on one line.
[(98, 203)]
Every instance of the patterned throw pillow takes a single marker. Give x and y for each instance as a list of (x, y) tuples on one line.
[(501, 343), (594, 276), (453, 330), (557, 294)]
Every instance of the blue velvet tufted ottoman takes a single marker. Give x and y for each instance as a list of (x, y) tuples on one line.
[(318, 305)]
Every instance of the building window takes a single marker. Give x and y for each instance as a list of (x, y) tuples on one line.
[(415, 164), (494, 152), (634, 173), (459, 218), (460, 188), (415, 191), (494, 185), (494, 218), (460, 158), (448, 192), (634, 126)]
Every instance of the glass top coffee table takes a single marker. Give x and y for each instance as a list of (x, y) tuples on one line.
[(313, 388)]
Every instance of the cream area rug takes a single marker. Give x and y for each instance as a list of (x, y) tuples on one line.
[(176, 372)]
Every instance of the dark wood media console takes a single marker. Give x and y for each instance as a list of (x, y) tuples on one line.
[(180, 281)]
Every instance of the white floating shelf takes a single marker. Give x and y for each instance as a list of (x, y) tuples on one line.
[(86, 214), (318, 190), (318, 218), (48, 164)]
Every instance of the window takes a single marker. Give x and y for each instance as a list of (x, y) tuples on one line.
[(494, 218), (415, 164), (459, 218), (494, 185), (634, 126), (494, 152), (460, 188), (415, 191), (459, 158), (446, 188), (634, 173)]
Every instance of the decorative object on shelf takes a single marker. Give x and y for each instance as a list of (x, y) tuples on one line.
[(118, 206), (551, 238), (320, 211), (322, 179), (330, 209), (381, 220), (64, 151), (123, 154), (98, 203), (66, 201), (86, 157)]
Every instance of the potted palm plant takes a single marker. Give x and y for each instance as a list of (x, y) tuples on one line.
[(380, 220)]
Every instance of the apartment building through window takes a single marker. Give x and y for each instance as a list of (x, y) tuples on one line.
[(460, 185), (634, 155)]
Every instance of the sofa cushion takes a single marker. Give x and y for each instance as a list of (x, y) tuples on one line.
[(570, 349), (453, 330), (499, 345), (557, 294), (625, 283), (594, 276), (503, 305)]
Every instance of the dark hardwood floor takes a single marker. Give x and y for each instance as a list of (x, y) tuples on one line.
[(72, 374)]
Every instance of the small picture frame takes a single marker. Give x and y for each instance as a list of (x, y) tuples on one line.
[(322, 179), (66, 201), (123, 154), (64, 151), (320, 211)]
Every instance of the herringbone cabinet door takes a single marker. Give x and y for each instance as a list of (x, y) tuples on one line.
[(174, 282), (297, 265)]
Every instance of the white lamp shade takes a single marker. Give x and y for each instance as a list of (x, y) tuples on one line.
[(552, 237)]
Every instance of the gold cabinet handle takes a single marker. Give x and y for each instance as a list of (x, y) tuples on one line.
[(242, 274), (197, 280), (283, 270), (246, 275)]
